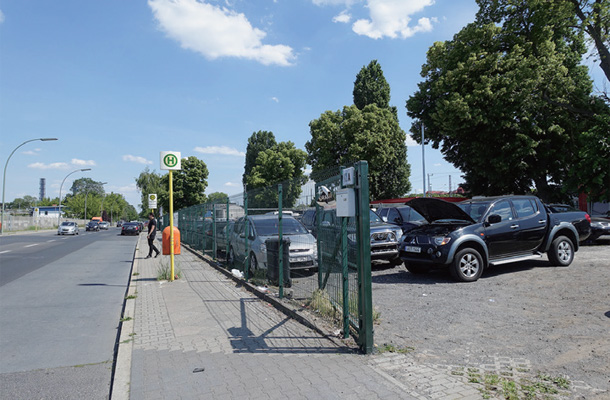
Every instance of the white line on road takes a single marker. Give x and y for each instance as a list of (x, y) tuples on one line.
[(5, 251), (49, 241), (32, 245)]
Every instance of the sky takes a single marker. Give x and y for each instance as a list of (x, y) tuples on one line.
[(117, 81)]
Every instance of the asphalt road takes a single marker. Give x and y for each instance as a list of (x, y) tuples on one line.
[(60, 304)]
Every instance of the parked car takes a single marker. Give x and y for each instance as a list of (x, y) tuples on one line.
[(104, 225), (468, 237), (92, 226), (68, 228), (599, 227), (405, 217), (385, 237), (303, 250), (119, 224), (130, 228)]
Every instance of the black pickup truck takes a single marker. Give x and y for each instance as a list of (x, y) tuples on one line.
[(468, 237)]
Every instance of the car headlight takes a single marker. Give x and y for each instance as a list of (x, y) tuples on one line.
[(441, 240), (596, 224), (263, 248)]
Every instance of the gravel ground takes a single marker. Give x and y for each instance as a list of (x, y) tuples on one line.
[(554, 320)]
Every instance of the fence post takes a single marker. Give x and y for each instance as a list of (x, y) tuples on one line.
[(345, 271), (247, 234), (214, 244), (281, 244), (227, 231), (363, 232)]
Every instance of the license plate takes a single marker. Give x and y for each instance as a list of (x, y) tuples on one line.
[(298, 259), (413, 249)]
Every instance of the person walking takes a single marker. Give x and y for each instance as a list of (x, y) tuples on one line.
[(152, 231)]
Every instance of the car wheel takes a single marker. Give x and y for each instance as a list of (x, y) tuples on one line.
[(416, 268), (396, 261), (561, 252), (467, 265)]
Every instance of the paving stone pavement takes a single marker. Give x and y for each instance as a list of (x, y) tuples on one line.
[(205, 336)]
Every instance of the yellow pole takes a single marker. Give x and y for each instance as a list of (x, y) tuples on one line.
[(171, 224)]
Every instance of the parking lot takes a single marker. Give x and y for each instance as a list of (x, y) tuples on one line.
[(537, 318)]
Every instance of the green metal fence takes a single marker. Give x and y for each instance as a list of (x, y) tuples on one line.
[(288, 239)]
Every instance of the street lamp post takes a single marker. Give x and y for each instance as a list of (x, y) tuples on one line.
[(4, 178), (61, 186)]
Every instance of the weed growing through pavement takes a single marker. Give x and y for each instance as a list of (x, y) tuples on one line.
[(124, 319), (136, 274), (164, 271), (259, 278), (505, 386), (390, 348), (321, 303), (131, 297)]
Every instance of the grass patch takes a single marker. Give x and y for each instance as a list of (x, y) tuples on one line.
[(504, 386), (331, 309), (131, 297), (259, 278), (135, 274), (124, 319), (164, 271), (390, 348)]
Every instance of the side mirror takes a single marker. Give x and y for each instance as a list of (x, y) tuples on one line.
[(384, 219), (494, 219)]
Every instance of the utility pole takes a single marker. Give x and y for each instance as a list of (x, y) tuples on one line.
[(423, 158), (449, 184), (429, 184)]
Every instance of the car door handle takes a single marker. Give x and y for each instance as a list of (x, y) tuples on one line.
[(542, 221), (514, 226)]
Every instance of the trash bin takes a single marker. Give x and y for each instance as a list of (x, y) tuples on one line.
[(273, 260), (166, 241)]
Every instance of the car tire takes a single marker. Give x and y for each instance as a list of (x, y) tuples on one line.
[(467, 266), (416, 269), (561, 253), (396, 262)]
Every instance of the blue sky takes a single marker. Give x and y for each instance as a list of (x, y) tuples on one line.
[(119, 81)]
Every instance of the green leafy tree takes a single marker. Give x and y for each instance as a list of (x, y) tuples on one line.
[(258, 142), (83, 185), (218, 198), (149, 182), (189, 184), (283, 163), (368, 130), (505, 101), (372, 134), (371, 87)]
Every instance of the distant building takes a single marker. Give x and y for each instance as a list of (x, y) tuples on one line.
[(47, 211)]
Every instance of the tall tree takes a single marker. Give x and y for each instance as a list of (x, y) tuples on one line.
[(283, 163), (83, 185), (371, 134), (258, 142), (506, 101), (149, 182), (371, 87), (189, 184), (218, 198)]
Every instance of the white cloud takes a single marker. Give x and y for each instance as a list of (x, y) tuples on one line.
[(39, 165), (343, 17), (223, 150), (335, 2), (137, 159), (217, 32), (391, 18), (131, 188), (31, 152), (410, 141), (232, 184), (83, 163), (1, 17), (275, 99)]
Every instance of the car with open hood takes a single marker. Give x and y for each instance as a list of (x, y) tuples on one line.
[(470, 236)]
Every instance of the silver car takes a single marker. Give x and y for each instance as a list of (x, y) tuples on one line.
[(303, 248), (68, 228)]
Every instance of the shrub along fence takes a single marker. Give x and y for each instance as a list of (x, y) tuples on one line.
[(290, 239)]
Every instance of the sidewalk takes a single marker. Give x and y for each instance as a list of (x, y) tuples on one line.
[(205, 336)]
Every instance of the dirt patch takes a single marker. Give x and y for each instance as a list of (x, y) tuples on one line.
[(555, 320)]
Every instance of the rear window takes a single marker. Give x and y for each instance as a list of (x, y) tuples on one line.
[(270, 226)]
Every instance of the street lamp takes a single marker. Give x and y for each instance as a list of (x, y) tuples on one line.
[(60, 187), (4, 178)]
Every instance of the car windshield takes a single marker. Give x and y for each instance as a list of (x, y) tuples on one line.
[(476, 210), (374, 217), (409, 214), (269, 227), (67, 223)]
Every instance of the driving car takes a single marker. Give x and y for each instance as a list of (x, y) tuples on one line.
[(104, 225), (130, 228), (68, 228), (302, 249), (92, 226)]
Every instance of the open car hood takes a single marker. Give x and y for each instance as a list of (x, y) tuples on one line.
[(436, 209)]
